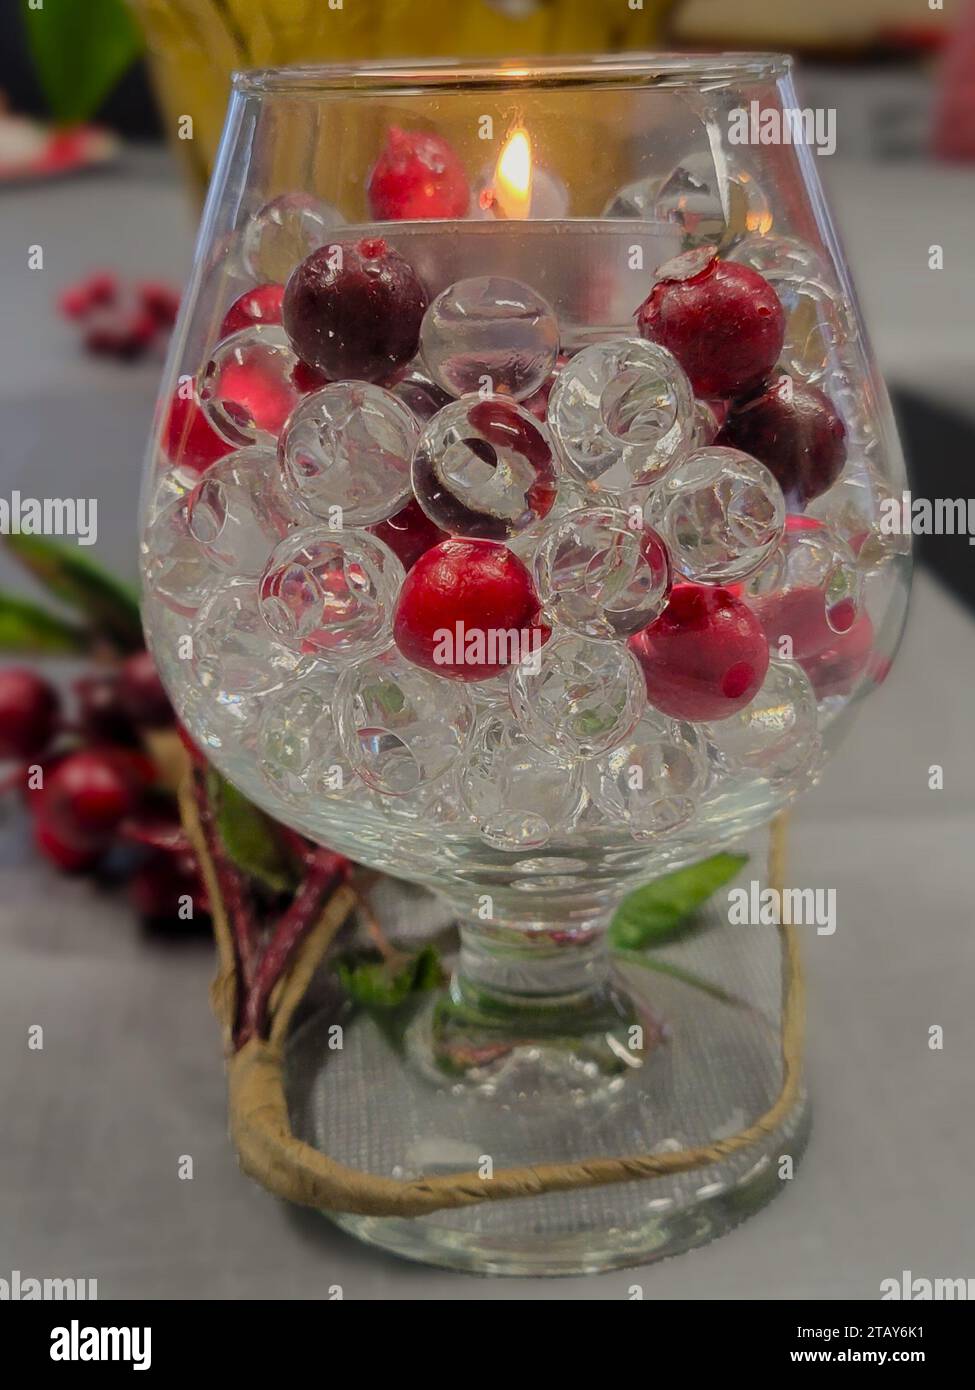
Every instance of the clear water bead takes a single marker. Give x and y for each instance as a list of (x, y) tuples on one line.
[(817, 324), (483, 468), (237, 512), (776, 735), (653, 781), (851, 509), (346, 451), (600, 576), (579, 698), (331, 594), (713, 203), (489, 334), (298, 747), (421, 396), (283, 232), (175, 569), (400, 726), (519, 795), (779, 255), (247, 387), (621, 413), (636, 199), (235, 657), (723, 517)]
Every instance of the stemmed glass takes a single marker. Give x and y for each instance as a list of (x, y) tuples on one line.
[(514, 523)]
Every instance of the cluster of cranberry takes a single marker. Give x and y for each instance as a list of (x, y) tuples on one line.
[(120, 320), (92, 793)]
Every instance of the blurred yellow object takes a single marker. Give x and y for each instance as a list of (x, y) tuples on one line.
[(194, 45)]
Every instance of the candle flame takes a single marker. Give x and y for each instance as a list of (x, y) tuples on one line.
[(513, 175)]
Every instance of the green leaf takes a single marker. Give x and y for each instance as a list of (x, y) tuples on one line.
[(29, 630), (80, 50), (110, 606), (249, 837), (385, 984), (664, 909)]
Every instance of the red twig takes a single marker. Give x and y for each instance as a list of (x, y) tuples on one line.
[(233, 889), (326, 871)]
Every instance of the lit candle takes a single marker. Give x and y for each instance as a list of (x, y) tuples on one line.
[(518, 188), (514, 177)]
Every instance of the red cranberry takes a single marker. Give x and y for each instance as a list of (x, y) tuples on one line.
[(125, 332), (262, 304), (800, 615), (90, 793), (307, 378), (142, 694), (417, 175), (409, 534), (160, 300), (96, 291), (835, 670), (705, 657), (62, 852), (29, 708), (188, 437), (467, 591), (102, 715), (723, 322), (159, 887), (795, 431), (356, 314)]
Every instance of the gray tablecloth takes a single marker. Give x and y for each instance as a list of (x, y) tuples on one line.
[(130, 1076)]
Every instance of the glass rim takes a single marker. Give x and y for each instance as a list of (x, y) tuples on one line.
[(418, 76)]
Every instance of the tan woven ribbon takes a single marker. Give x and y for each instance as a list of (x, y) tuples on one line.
[(270, 1152)]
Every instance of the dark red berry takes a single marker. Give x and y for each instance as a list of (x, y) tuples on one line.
[(90, 793), (722, 321), (796, 432), (29, 707), (307, 379), (167, 887), (417, 175), (459, 602), (142, 694), (102, 716), (160, 300), (409, 534), (188, 438), (353, 310), (262, 304), (705, 657)]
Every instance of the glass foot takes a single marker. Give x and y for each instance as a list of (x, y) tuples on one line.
[(713, 1068)]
